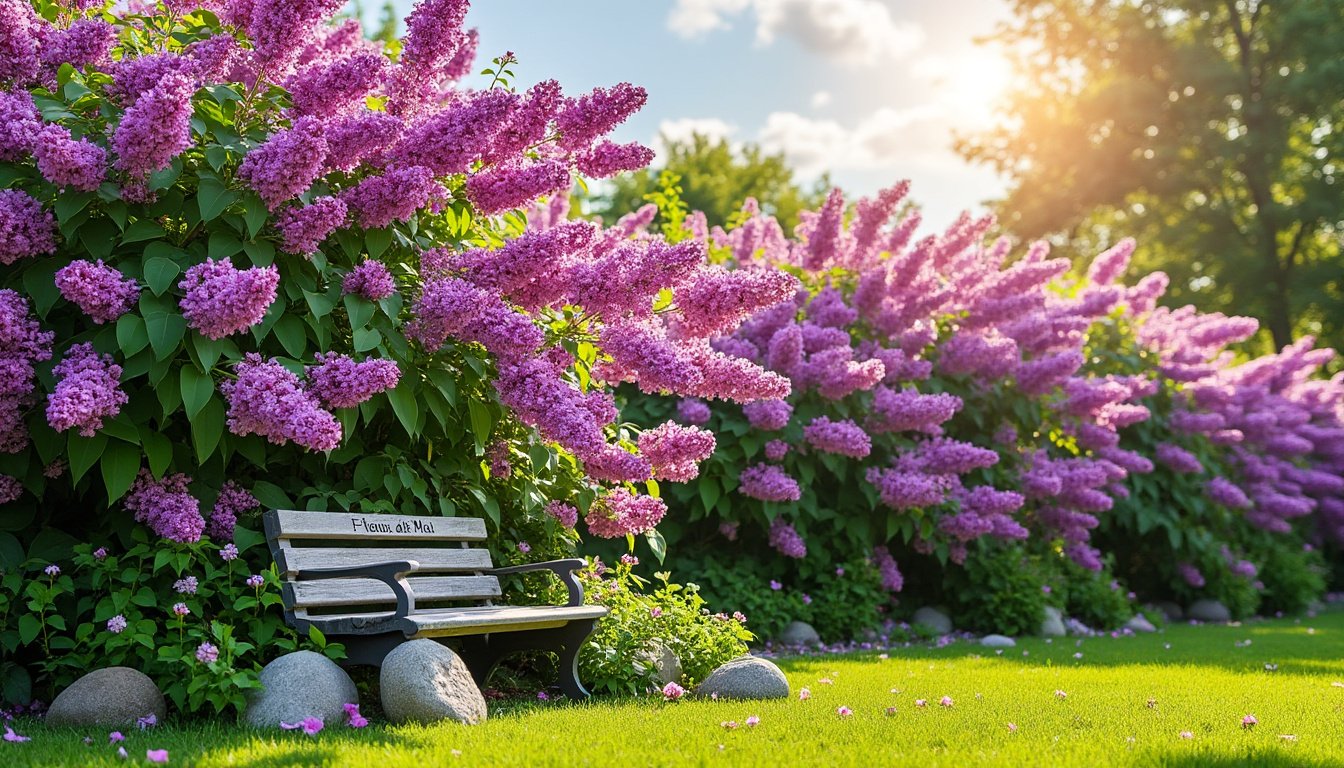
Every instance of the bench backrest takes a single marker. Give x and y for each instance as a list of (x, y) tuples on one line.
[(450, 568)]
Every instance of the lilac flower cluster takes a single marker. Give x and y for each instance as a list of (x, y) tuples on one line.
[(232, 501), (370, 280), (675, 452), (267, 400), (622, 513), (222, 300), (785, 540), (77, 164), (23, 343), (840, 437), (88, 390), (340, 382), (156, 128), (25, 228), (304, 229), (100, 291), (768, 483), (166, 506)]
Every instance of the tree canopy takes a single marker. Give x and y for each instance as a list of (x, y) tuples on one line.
[(1209, 129), (715, 179)]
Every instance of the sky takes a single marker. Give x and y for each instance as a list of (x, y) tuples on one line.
[(871, 91)]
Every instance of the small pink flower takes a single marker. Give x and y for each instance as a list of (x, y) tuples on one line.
[(1248, 721), (825, 681), (114, 737), (672, 692), (1061, 695), (180, 609), (655, 612), (921, 703), (630, 560), (1078, 655), (10, 735), (148, 721), (543, 696), (156, 755), (891, 711), (753, 721), (775, 585), (946, 701), (804, 694), (1012, 727), (1187, 735), (844, 711), (840, 571), (310, 725), (121, 752), (729, 724), (356, 720), (524, 547)]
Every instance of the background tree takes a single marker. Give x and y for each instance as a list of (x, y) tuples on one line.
[(716, 178), (1209, 129)]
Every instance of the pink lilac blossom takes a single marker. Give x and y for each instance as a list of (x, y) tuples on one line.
[(1190, 574), (304, 228), (370, 280), (20, 123), (354, 719), (332, 89), (10, 489), (25, 228), (901, 488), (1178, 459), (581, 121), (67, 162), (266, 400), (623, 513), (340, 382), (693, 410), (776, 450), (287, 164), (133, 76), (675, 452), (396, 195), (844, 438), (608, 158), (785, 539), (565, 514), (88, 390), (221, 300), (908, 410), (97, 289), (768, 415), (768, 483), (892, 580), (156, 129), (85, 43), (207, 653), (233, 500), (504, 188), (280, 29), (452, 307), (449, 141), (359, 138), (20, 30), (166, 506), (715, 300), (1222, 491)]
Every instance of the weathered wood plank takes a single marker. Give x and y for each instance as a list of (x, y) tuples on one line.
[(332, 592), (292, 560), (289, 524), (464, 621)]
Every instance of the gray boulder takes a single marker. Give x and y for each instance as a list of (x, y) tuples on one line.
[(933, 619), (1209, 610), (799, 633), (298, 685), (107, 698), (424, 682), (1140, 623), (997, 641), (1171, 610), (746, 677), (663, 661), (1053, 623)]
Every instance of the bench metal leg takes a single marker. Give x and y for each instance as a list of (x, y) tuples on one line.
[(368, 649), (484, 652)]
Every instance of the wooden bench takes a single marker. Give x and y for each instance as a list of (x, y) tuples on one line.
[(356, 578)]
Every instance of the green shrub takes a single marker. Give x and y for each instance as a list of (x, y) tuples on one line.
[(1001, 589), (1095, 598), (1293, 577)]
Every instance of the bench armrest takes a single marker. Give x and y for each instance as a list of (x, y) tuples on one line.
[(393, 574), (563, 570)]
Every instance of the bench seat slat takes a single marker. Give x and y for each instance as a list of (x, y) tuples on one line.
[(465, 621), (289, 524), (323, 593), (292, 560)]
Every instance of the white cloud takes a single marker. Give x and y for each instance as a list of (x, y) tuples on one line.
[(683, 128), (852, 31), (888, 138), (821, 99)]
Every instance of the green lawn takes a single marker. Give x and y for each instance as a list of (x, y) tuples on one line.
[(1200, 680)]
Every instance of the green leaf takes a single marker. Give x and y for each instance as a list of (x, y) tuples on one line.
[(29, 628), (293, 334), (120, 464), (207, 428), (83, 452), (319, 303), (376, 241), (405, 405), (367, 339), (40, 281), (131, 334), (359, 310), (709, 492), (158, 449), (657, 544), (160, 274), (254, 214), (197, 388), (142, 230), (212, 196), (165, 333), (68, 205), (271, 496), (481, 422)]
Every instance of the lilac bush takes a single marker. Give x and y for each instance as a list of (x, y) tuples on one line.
[(253, 260)]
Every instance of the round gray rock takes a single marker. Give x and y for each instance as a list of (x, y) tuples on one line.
[(1053, 623), (1140, 623), (107, 698), (1171, 610), (298, 685), (424, 682), (933, 619), (663, 661), (997, 641), (799, 633), (1208, 610), (746, 677)]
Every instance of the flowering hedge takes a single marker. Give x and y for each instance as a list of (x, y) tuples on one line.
[(948, 399), (252, 259)]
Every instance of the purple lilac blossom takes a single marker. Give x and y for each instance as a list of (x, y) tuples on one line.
[(100, 291), (266, 400), (221, 300), (88, 390)]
